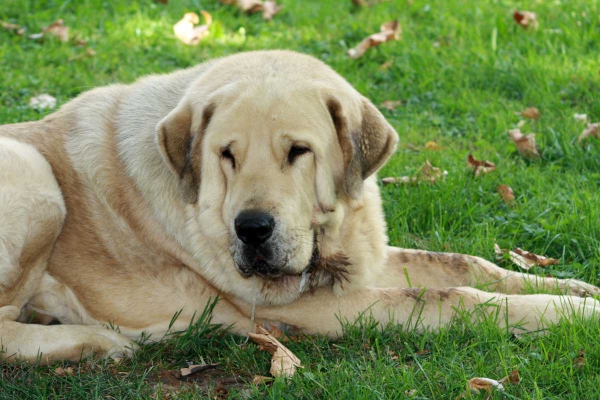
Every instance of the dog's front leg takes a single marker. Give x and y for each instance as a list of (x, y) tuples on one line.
[(418, 268), (323, 312)]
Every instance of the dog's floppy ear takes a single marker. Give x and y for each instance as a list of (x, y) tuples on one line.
[(179, 143), (366, 146)]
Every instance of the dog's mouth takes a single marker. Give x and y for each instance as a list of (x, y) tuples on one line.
[(318, 271)]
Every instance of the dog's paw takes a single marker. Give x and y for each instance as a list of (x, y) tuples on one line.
[(112, 344), (577, 288)]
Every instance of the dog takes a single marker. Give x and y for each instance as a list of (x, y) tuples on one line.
[(250, 178)]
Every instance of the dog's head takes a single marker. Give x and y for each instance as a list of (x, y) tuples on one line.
[(266, 144)]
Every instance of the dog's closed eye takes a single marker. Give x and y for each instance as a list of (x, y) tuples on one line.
[(295, 152), (226, 155)]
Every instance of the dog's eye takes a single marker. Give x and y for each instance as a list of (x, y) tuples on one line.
[(226, 154), (295, 152)]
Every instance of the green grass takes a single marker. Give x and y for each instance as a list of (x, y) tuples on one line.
[(462, 94)]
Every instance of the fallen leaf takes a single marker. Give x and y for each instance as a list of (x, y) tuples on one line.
[(581, 117), (58, 29), (525, 19), (590, 130), (162, 1), (391, 104), (17, 29), (524, 259), (580, 362), (427, 173), (270, 9), (42, 102), (499, 252), (389, 31), (274, 331), (484, 383), (480, 167), (431, 145), (358, 3), (60, 371), (527, 260), (89, 52), (194, 369), (259, 379), (250, 6), (386, 65), (422, 353), (410, 393), (525, 143), (393, 180), (513, 378), (506, 193), (531, 113), (186, 31), (283, 362)]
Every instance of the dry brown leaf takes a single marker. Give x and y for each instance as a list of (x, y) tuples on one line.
[(386, 65), (431, 145), (513, 378), (427, 173), (525, 19), (186, 31), (524, 259), (525, 143), (580, 362), (422, 353), (283, 362), (259, 379), (590, 130), (42, 102), (270, 9), (194, 369), (389, 31), (484, 383), (250, 6), (274, 331), (531, 113), (506, 193), (17, 29), (391, 104), (58, 29), (60, 371), (162, 1), (480, 167), (527, 260), (393, 180), (499, 252), (89, 52)]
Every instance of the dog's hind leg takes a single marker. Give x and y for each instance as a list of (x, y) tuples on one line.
[(32, 213), (417, 268)]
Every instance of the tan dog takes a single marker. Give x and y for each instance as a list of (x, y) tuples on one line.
[(250, 177)]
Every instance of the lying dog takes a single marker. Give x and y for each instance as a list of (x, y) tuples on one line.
[(250, 177)]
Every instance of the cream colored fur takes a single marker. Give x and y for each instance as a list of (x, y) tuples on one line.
[(118, 209)]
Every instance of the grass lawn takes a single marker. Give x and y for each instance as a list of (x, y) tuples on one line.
[(461, 70)]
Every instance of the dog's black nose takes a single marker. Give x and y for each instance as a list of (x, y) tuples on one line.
[(254, 227)]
